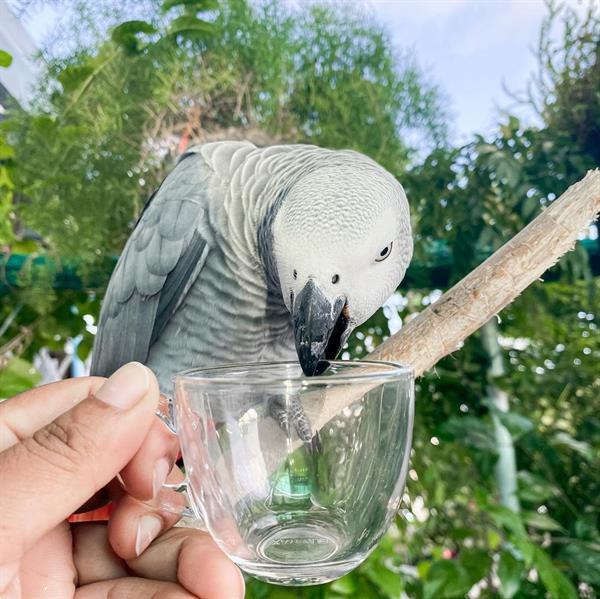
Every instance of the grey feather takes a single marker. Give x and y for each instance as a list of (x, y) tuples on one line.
[(178, 282)]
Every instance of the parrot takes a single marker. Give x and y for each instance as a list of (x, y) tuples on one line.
[(254, 254)]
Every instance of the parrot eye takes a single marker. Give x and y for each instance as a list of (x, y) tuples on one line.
[(385, 252)]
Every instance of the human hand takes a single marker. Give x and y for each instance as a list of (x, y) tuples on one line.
[(62, 445)]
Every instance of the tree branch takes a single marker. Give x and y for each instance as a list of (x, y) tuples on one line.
[(438, 330)]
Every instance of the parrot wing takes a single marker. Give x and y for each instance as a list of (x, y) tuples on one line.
[(161, 260)]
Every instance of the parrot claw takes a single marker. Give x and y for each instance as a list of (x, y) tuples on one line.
[(280, 415), (294, 414), (315, 444)]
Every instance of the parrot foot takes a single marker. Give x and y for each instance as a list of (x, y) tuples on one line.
[(279, 413), (294, 413)]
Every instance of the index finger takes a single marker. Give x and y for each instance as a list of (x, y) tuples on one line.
[(22, 415)]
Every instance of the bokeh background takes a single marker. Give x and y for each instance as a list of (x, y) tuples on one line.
[(484, 111)]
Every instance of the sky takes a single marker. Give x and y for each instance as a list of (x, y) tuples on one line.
[(471, 48)]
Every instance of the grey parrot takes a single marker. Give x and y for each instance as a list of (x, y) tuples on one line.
[(248, 254)]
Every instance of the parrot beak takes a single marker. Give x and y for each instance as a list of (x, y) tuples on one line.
[(319, 328)]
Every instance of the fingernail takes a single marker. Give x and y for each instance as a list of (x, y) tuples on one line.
[(126, 386), (159, 475), (147, 530)]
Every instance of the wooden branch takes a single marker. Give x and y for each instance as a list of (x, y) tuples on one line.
[(15, 346), (438, 330)]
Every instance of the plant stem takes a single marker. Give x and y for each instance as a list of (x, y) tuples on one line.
[(506, 467)]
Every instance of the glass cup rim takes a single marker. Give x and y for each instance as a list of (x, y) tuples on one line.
[(394, 371)]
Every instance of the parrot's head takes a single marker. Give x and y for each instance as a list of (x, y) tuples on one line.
[(342, 242)]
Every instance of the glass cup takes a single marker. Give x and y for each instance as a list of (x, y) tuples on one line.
[(296, 478)]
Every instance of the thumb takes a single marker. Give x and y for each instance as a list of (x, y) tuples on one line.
[(46, 477)]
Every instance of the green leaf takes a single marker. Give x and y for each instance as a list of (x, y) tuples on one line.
[(27, 246), (190, 26), (516, 424), (541, 521), (85, 347), (531, 205), (476, 564), (126, 34), (460, 533), (486, 149), (44, 125), (493, 539), (471, 432), (6, 151), (17, 376), (525, 547), (344, 585), (535, 488), (423, 568), (442, 574), (513, 122), (581, 447), (5, 59), (454, 577), (584, 560), (390, 583), (196, 4), (506, 518), (510, 570), (73, 76), (132, 28), (558, 585), (586, 527)]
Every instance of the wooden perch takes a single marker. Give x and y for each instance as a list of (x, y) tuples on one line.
[(438, 330)]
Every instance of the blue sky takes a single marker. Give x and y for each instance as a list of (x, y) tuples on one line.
[(470, 47)]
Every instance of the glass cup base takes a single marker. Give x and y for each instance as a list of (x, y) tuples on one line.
[(303, 551), (306, 574)]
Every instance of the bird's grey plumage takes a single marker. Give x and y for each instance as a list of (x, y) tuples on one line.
[(163, 255), (196, 283), (198, 240)]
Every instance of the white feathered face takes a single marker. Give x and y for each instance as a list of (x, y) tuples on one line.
[(342, 242)]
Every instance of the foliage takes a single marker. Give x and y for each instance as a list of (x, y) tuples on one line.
[(566, 88), (6, 184), (17, 375), (107, 116), (87, 138), (319, 75)]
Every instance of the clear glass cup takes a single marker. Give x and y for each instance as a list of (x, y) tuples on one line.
[(296, 478)]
